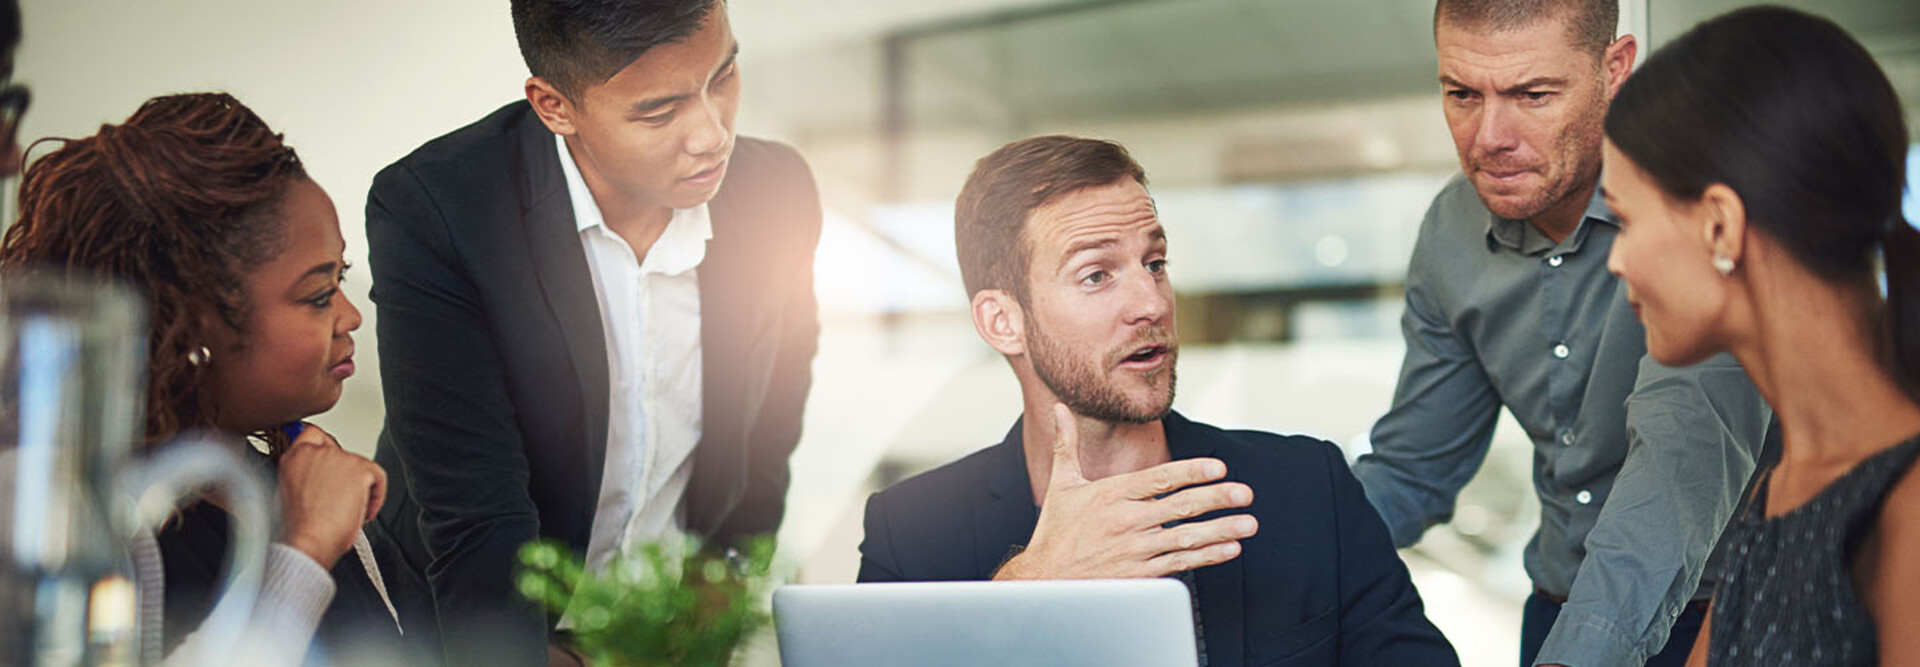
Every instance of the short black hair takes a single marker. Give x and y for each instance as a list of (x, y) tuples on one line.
[(577, 44), (990, 219), (1591, 24)]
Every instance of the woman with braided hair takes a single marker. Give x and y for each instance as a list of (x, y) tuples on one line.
[(197, 203)]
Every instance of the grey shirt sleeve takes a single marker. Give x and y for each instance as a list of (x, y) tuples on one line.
[(1693, 435), (1435, 436)]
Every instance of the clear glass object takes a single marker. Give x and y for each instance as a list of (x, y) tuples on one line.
[(75, 488)]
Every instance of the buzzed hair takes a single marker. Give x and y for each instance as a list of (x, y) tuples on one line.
[(1591, 24), (990, 218)]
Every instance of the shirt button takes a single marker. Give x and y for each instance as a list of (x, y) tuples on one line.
[(1555, 261), (1583, 497), (1561, 351), (1566, 437)]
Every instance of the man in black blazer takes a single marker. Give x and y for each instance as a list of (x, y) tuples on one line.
[(501, 369), (1065, 257)]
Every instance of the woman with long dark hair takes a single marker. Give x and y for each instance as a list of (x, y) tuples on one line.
[(198, 204), (1757, 165)]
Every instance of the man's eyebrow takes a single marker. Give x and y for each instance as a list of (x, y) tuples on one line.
[(643, 107), (1083, 246), (731, 56), (1535, 82), (1522, 87)]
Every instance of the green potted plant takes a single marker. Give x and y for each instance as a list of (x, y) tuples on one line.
[(680, 604)]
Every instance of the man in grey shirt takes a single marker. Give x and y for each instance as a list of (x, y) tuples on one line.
[(1509, 302)]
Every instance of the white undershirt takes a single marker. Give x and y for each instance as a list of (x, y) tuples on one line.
[(651, 316)]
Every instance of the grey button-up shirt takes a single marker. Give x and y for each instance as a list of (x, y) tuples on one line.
[(1638, 466)]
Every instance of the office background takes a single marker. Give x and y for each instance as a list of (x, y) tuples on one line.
[(1292, 146)]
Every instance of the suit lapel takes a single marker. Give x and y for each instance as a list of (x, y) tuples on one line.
[(1009, 515), (1220, 587), (560, 264)]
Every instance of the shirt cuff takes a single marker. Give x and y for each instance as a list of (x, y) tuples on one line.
[(1587, 640)]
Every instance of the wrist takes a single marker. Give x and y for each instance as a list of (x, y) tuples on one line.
[(314, 549), (1015, 568)]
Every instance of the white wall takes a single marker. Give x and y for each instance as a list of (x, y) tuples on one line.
[(354, 85)]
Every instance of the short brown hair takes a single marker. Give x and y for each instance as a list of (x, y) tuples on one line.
[(1591, 24), (990, 219)]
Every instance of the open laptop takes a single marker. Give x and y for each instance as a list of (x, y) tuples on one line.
[(1144, 622)]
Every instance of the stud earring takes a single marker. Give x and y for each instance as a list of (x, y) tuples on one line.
[(199, 356), (1723, 264)]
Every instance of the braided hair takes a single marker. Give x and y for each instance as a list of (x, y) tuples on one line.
[(180, 202)]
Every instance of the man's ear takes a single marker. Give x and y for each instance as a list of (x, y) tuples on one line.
[(553, 108), (1618, 60), (997, 316), (1726, 228)]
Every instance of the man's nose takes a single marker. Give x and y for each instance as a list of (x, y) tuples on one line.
[(1151, 299), (1497, 131)]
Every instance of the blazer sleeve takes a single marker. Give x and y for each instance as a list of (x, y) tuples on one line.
[(451, 422), (877, 561), (776, 431), (1382, 621)]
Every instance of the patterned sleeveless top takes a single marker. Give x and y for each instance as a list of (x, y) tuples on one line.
[(1787, 597)]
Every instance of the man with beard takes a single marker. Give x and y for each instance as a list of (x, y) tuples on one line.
[(1509, 303), (1064, 256)]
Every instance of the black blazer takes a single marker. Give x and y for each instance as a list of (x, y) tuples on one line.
[(494, 363), (1320, 584)]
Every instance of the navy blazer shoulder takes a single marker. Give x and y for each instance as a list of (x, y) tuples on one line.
[(1320, 584)]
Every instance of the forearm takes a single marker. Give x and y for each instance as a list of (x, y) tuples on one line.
[(483, 618), (1693, 434), (1436, 434), (294, 593)]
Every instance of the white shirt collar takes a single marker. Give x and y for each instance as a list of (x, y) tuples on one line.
[(681, 246)]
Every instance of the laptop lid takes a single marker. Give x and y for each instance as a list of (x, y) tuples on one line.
[(1145, 622)]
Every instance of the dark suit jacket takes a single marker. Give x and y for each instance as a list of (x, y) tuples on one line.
[(494, 362), (1320, 584)]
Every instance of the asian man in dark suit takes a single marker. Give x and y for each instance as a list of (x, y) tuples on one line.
[(595, 316), (1063, 253)]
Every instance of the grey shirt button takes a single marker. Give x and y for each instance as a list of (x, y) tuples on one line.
[(1561, 351), (1583, 497), (1566, 437), (1555, 261)]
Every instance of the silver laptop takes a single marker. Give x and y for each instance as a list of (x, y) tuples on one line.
[(1144, 622)]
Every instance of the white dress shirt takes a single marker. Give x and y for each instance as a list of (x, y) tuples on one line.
[(650, 312)]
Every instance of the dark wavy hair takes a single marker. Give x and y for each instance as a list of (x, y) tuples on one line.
[(1789, 111), (179, 202)]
